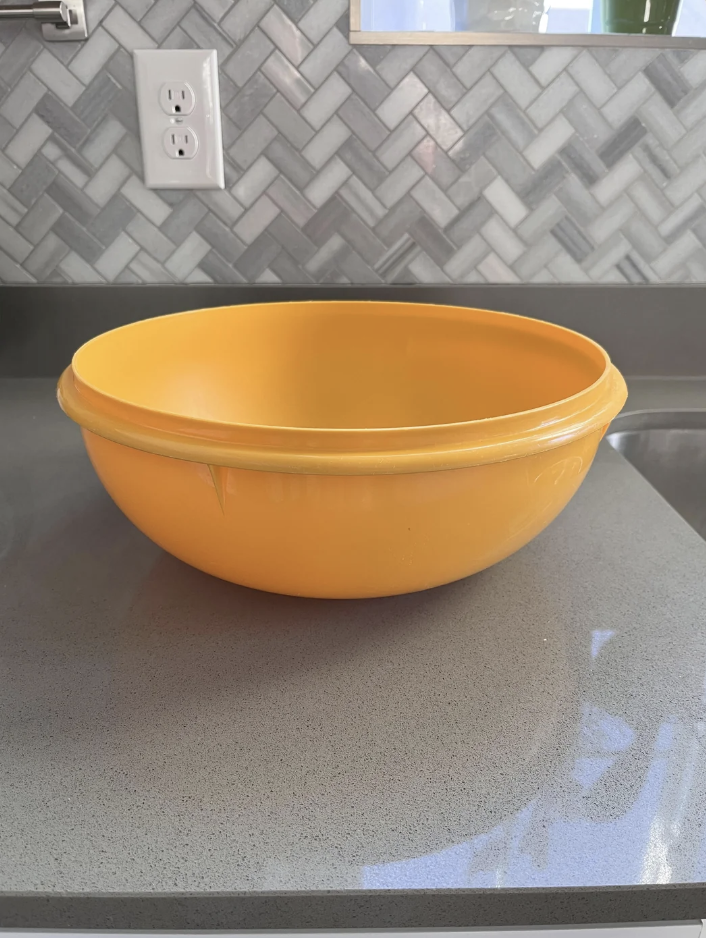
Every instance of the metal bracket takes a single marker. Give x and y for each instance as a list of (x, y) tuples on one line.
[(73, 29), (62, 20)]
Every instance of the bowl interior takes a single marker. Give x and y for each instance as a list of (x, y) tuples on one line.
[(339, 365)]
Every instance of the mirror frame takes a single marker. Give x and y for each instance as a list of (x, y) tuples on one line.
[(357, 36)]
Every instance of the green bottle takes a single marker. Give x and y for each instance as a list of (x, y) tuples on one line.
[(640, 17)]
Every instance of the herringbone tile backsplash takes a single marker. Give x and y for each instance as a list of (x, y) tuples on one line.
[(362, 165)]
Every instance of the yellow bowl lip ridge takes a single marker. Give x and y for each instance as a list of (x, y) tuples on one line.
[(350, 451)]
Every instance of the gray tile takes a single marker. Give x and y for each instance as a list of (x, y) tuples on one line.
[(326, 221), (254, 181), (243, 17), (39, 219), (107, 181), (633, 270), (46, 255), (325, 101), (292, 239), (590, 124), (102, 141), (286, 79), (394, 263), (33, 180), (257, 257), (363, 79), (219, 270), (205, 34), (295, 9), (475, 63), (288, 122), (288, 270), (322, 17), (400, 142), (124, 108), (473, 144), (177, 39), (144, 269), (362, 162), (476, 102), (363, 122), (543, 183), (11, 209), (435, 163), (622, 142), (572, 239), (126, 30), (398, 62), (439, 79), (582, 161), (472, 183), (437, 122), (112, 220), (121, 67), (248, 57), (657, 162), (667, 80), (92, 105), (163, 16), (149, 237), (61, 120), (78, 239), (290, 201), (401, 101), (399, 182), (324, 58), (432, 240), (183, 220), (252, 141), (361, 200), (289, 162), (129, 152), (511, 122), (363, 241), (470, 222), (220, 238), (13, 243), (72, 200), (22, 100), (286, 35), (27, 140), (94, 54), (578, 201), (18, 57), (250, 100)]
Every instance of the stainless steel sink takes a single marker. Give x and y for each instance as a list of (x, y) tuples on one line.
[(669, 449)]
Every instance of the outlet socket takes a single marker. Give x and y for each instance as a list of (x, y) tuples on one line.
[(181, 149), (181, 143), (177, 98)]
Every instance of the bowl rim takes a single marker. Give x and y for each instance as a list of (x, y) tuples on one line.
[(355, 450)]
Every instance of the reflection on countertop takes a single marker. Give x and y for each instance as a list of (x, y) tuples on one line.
[(537, 725)]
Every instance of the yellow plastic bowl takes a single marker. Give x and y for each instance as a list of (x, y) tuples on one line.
[(341, 449)]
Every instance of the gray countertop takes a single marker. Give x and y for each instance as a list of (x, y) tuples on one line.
[(522, 747)]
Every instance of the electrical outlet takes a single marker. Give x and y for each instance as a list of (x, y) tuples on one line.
[(177, 97), (181, 143), (180, 118)]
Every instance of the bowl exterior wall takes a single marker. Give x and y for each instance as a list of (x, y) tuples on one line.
[(340, 536)]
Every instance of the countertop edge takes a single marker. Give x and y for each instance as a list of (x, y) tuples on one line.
[(453, 908)]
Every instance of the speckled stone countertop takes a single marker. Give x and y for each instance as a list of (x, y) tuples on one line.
[(522, 747)]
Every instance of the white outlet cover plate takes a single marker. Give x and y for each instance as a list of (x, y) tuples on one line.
[(199, 68)]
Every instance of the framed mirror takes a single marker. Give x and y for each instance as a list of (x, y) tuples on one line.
[(676, 23)]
